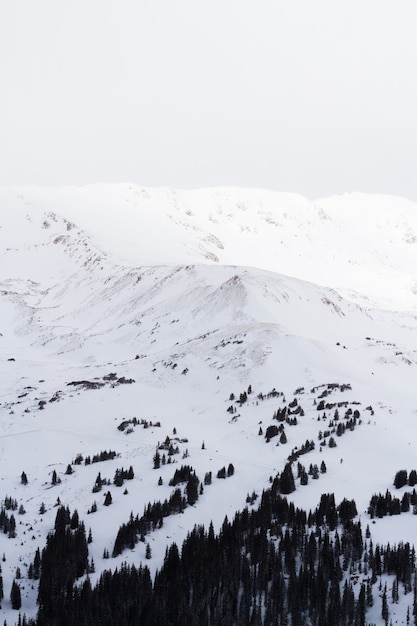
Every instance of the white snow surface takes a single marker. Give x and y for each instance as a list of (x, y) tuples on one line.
[(195, 295)]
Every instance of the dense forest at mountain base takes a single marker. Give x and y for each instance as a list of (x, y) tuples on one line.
[(276, 565)]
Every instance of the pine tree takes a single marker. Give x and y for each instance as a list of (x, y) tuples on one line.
[(24, 479), (75, 520), (400, 479), (191, 489), (394, 591), (36, 564), (157, 460), (12, 527), (221, 473), (412, 478), (15, 596), (385, 611), (286, 482)]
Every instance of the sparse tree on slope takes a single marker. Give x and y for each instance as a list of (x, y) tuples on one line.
[(15, 596)]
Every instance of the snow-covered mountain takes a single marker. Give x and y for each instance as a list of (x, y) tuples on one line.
[(130, 317)]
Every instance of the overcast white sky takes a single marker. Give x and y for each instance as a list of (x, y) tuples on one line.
[(312, 96)]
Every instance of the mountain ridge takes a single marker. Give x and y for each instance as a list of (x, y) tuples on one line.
[(284, 233)]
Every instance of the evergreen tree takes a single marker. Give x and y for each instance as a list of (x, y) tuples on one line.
[(191, 489), (412, 478), (286, 482), (118, 478), (75, 520), (64, 559), (24, 479), (15, 596), (36, 564), (385, 611), (361, 608), (400, 479), (221, 473), (12, 527), (157, 460)]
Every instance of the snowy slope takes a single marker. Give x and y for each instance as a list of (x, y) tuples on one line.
[(355, 242), (194, 296)]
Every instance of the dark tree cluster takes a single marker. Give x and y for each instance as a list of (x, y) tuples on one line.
[(99, 482), (322, 405), (64, 559), (169, 446), (308, 446), (104, 455), (329, 387), (7, 523), (283, 414), (181, 475), (243, 397), (10, 504), (337, 427), (271, 566), (186, 474), (127, 425), (223, 473), (271, 394), (121, 475), (402, 478), (381, 505), (313, 471), (271, 431), (138, 527)]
